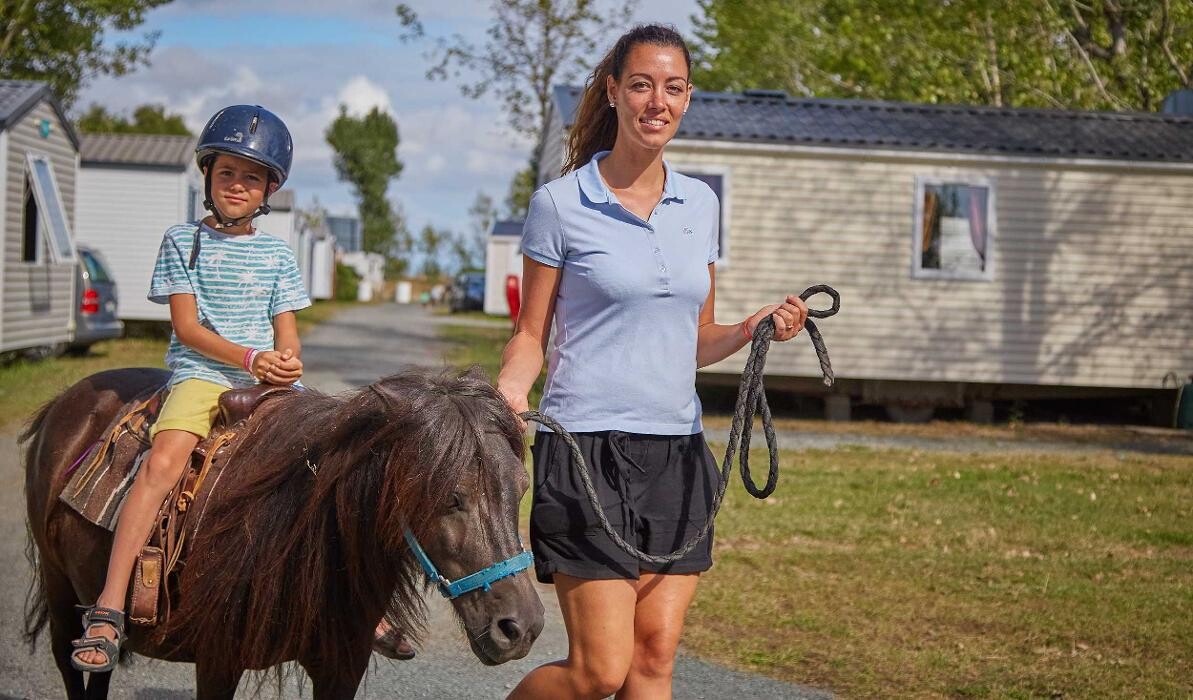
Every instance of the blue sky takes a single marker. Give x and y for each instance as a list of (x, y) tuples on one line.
[(303, 58)]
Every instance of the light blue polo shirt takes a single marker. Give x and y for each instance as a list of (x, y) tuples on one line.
[(630, 294)]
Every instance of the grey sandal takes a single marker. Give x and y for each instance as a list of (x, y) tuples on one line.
[(96, 615)]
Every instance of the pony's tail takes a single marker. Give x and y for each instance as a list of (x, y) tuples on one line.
[(37, 610), (33, 427)]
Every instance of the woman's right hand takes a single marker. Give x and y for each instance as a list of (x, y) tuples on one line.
[(517, 401)]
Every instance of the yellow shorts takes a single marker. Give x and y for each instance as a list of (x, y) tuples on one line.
[(191, 406)]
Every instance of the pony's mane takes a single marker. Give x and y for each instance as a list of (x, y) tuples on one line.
[(304, 530)]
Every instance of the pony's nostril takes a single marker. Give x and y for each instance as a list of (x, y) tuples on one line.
[(511, 629)]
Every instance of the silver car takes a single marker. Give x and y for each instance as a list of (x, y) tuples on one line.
[(95, 313)]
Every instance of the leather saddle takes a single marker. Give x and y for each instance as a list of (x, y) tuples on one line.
[(99, 485)]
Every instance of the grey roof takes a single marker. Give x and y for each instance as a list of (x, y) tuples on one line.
[(149, 150), (773, 117), (17, 97), (506, 228)]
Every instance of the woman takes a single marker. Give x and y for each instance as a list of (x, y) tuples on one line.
[(619, 253)]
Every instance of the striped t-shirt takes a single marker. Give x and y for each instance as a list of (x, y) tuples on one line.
[(240, 283)]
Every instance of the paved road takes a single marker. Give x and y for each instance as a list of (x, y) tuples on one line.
[(354, 348)]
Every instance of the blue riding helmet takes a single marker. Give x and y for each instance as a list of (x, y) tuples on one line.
[(248, 131)]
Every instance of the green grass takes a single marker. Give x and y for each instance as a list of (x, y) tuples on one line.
[(27, 384), (905, 574), (908, 574), (482, 346)]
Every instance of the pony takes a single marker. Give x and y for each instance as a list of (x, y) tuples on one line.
[(301, 549)]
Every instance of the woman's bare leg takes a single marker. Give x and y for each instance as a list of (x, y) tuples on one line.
[(663, 601), (599, 616), (163, 467)]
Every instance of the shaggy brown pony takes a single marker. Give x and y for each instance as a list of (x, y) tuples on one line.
[(300, 548)]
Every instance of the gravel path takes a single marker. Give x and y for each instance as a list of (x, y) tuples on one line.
[(354, 348)]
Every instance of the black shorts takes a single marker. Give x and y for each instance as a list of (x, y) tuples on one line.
[(656, 491)]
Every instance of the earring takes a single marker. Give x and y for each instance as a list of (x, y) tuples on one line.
[(612, 106)]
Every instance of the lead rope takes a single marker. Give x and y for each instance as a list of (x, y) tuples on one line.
[(751, 396)]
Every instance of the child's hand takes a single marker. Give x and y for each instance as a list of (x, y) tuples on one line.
[(273, 367)]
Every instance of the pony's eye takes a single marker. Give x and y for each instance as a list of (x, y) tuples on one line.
[(457, 502)]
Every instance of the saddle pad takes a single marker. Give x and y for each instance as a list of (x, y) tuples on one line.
[(101, 481)]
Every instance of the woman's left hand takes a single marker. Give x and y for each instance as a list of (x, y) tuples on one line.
[(789, 318)]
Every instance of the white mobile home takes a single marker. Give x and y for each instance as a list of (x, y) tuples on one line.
[(39, 163), (503, 257), (981, 253), (132, 187)]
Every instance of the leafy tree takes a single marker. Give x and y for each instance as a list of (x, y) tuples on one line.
[(430, 246), (62, 41), (366, 155), (530, 47), (1093, 54), (347, 283), (517, 202), (397, 260), (467, 249), (147, 119)]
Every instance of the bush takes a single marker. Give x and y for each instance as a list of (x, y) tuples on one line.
[(347, 283)]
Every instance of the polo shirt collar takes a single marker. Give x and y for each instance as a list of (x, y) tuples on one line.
[(594, 188)]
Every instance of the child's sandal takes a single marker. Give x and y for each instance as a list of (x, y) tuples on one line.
[(103, 616)]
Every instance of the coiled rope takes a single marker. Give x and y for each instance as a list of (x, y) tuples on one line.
[(751, 398)]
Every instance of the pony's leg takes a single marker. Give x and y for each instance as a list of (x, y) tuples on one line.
[(64, 626), (216, 684), (328, 686), (97, 685)]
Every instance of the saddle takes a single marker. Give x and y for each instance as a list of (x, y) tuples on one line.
[(99, 482)]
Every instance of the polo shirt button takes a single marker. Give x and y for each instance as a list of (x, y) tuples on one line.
[(662, 268), (657, 250)]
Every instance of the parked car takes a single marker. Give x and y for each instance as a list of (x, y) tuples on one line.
[(95, 312), (467, 292)]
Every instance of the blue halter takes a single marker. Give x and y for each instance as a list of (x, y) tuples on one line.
[(482, 579)]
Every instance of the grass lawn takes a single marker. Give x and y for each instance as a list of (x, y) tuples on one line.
[(945, 575), (25, 385), (908, 574)]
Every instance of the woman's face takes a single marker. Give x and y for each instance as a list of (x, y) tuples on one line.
[(651, 95)]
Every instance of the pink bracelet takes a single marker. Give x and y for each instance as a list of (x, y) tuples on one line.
[(249, 356), (745, 330)]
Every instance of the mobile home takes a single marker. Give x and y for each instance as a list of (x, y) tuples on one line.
[(132, 187), (39, 163)]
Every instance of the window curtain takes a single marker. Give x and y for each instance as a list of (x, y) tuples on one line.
[(977, 221)]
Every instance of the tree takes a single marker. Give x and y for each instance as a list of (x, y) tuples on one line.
[(430, 246), (467, 249), (531, 46), (147, 119), (517, 202), (1095, 54), (62, 41), (366, 155)]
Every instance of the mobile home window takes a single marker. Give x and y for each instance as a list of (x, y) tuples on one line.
[(30, 239), (716, 179), (52, 215), (954, 229)]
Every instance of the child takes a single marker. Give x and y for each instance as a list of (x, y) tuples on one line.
[(232, 293)]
